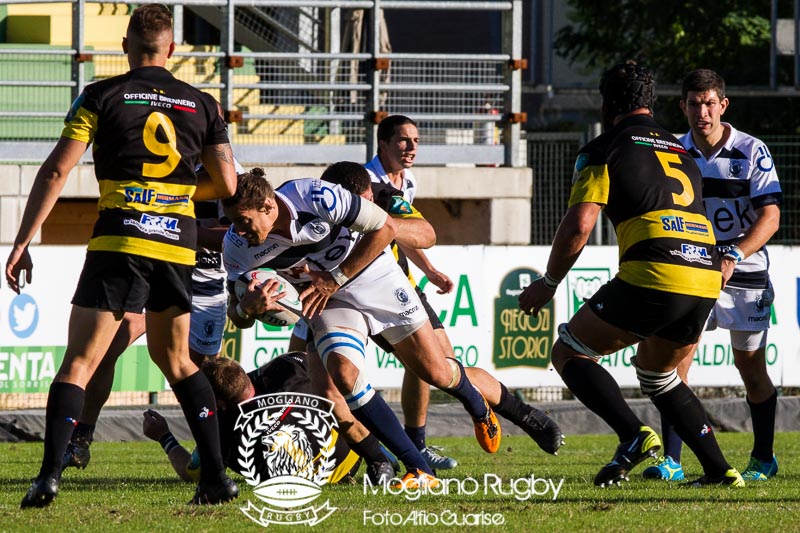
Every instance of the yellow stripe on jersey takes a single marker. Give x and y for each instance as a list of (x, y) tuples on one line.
[(591, 186), (669, 223), (678, 279), (81, 127), (144, 248), (155, 196)]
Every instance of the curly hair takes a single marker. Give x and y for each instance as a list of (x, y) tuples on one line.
[(252, 190), (626, 87)]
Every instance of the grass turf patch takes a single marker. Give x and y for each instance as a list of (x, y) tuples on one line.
[(131, 487)]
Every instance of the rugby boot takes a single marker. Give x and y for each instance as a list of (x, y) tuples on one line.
[(437, 461), (666, 468), (487, 430), (77, 454), (760, 470), (42, 492), (417, 480), (629, 454), (224, 490), (731, 478), (379, 473), (542, 429)]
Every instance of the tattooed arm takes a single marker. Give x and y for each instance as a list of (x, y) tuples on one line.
[(220, 179)]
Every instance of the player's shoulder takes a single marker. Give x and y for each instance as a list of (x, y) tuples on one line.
[(749, 145)]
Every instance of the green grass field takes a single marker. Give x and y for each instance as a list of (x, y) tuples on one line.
[(130, 487)]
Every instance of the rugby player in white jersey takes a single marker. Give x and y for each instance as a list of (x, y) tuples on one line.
[(398, 139), (319, 235), (742, 198)]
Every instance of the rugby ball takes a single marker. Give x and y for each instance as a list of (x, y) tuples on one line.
[(293, 307), (288, 491)]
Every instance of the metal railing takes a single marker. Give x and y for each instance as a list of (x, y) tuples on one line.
[(292, 93)]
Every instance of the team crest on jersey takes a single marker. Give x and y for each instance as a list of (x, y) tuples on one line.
[(286, 455), (318, 228), (735, 168), (401, 295)]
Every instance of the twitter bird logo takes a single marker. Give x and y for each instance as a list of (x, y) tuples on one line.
[(23, 316)]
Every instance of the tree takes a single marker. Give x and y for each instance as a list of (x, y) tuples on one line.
[(671, 37)]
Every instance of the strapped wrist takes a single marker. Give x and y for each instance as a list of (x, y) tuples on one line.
[(168, 442), (735, 254), (550, 282), (338, 276), (240, 312)]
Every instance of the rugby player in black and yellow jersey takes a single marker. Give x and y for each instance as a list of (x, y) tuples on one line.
[(669, 277), (148, 133)]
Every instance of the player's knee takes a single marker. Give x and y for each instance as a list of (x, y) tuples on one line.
[(654, 383), (569, 345)]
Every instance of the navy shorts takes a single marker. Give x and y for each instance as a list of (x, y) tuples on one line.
[(123, 282), (649, 312)]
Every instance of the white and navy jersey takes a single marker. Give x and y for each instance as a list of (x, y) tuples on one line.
[(321, 216), (208, 276), (737, 180), (378, 175)]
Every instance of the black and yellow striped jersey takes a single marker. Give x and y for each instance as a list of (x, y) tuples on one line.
[(147, 131), (651, 192)]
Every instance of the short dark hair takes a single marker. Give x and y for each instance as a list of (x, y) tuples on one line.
[(252, 190), (626, 87), (702, 80), (228, 379), (351, 176), (387, 126), (147, 23)]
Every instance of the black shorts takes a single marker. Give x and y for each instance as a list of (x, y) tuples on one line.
[(649, 312), (432, 316), (125, 282)]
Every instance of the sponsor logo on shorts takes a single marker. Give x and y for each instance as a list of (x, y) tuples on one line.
[(156, 225), (680, 225), (409, 312), (693, 254), (763, 318), (402, 296)]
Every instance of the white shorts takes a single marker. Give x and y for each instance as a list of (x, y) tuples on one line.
[(384, 298), (207, 323), (742, 309)]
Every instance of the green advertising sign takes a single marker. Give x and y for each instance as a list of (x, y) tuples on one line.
[(32, 369), (520, 339)]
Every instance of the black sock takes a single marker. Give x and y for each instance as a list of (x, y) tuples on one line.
[(598, 391), (466, 393), (369, 449), (763, 417), (688, 416), (670, 440), (510, 406), (64, 405), (381, 421), (417, 436), (83, 432), (200, 409)]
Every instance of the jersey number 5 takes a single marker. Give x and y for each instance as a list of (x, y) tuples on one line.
[(168, 149), (686, 197)]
